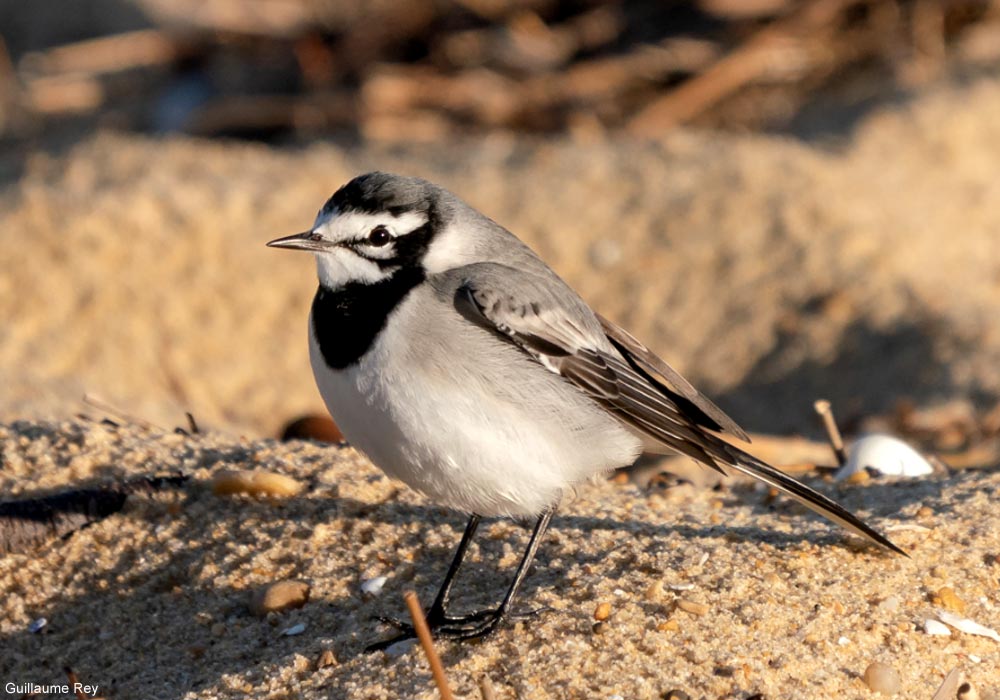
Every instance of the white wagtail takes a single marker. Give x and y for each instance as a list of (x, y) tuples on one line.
[(460, 363)]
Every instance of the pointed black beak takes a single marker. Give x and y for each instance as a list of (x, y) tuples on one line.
[(307, 240)]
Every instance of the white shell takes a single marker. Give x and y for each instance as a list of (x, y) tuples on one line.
[(933, 627), (373, 586), (964, 624), (886, 455)]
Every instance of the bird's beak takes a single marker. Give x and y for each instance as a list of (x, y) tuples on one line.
[(300, 241)]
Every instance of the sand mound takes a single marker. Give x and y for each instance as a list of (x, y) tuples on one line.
[(769, 271)]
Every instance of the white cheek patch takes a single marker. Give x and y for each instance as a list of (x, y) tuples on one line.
[(340, 266), (447, 250)]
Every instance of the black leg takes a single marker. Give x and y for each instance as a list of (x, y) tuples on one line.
[(522, 570), (480, 623), (438, 611)]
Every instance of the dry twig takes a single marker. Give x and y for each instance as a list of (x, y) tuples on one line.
[(486, 688), (746, 63), (424, 635), (825, 412)]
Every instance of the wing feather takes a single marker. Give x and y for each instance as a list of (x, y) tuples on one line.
[(553, 326), (712, 416)]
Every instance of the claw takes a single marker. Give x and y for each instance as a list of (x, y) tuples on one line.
[(475, 625), (393, 622), (528, 614)]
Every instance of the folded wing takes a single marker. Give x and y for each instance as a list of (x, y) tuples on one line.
[(551, 324)]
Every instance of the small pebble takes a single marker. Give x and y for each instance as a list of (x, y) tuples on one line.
[(668, 626), (861, 477), (924, 512), (882, 678), (36, 626), (312, 427), (218, 629), (373, 586), (946, 598), (278, 597), (254, 483), (655, 592), (599, 627), (294, 630), (693, 608), (676, 695), (326, 659), (602, 612)]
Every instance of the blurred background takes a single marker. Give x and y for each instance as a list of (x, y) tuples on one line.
[(289, 71), (787, 200)]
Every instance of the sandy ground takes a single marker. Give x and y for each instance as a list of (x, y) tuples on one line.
[(769, 271), (153, 602)]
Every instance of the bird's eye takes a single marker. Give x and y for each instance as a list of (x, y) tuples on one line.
[(379, 236)]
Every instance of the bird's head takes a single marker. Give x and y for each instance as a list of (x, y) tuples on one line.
[(372, 227)]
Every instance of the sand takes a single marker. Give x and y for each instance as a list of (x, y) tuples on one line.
[(153, 602), (771, 272)]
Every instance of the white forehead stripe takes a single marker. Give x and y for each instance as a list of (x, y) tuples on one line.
[(358, 224)]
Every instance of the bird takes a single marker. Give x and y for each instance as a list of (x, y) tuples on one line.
[(459, 362)]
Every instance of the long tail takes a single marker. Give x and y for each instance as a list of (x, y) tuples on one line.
[(736, 458)]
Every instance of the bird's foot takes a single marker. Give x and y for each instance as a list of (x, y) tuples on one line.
[(475, 625)]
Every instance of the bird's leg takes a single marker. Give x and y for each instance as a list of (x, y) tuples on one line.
[(437, 615), (482, 622), (485, 622), (438, 612)]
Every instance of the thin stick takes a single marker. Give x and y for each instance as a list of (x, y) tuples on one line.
[(822, 407), (486, 688), (745, 64), (74, 683), (424, 635)]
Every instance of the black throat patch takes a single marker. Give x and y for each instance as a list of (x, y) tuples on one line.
[(346, 321)]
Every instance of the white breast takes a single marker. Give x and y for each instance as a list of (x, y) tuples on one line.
[(467, 419)]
